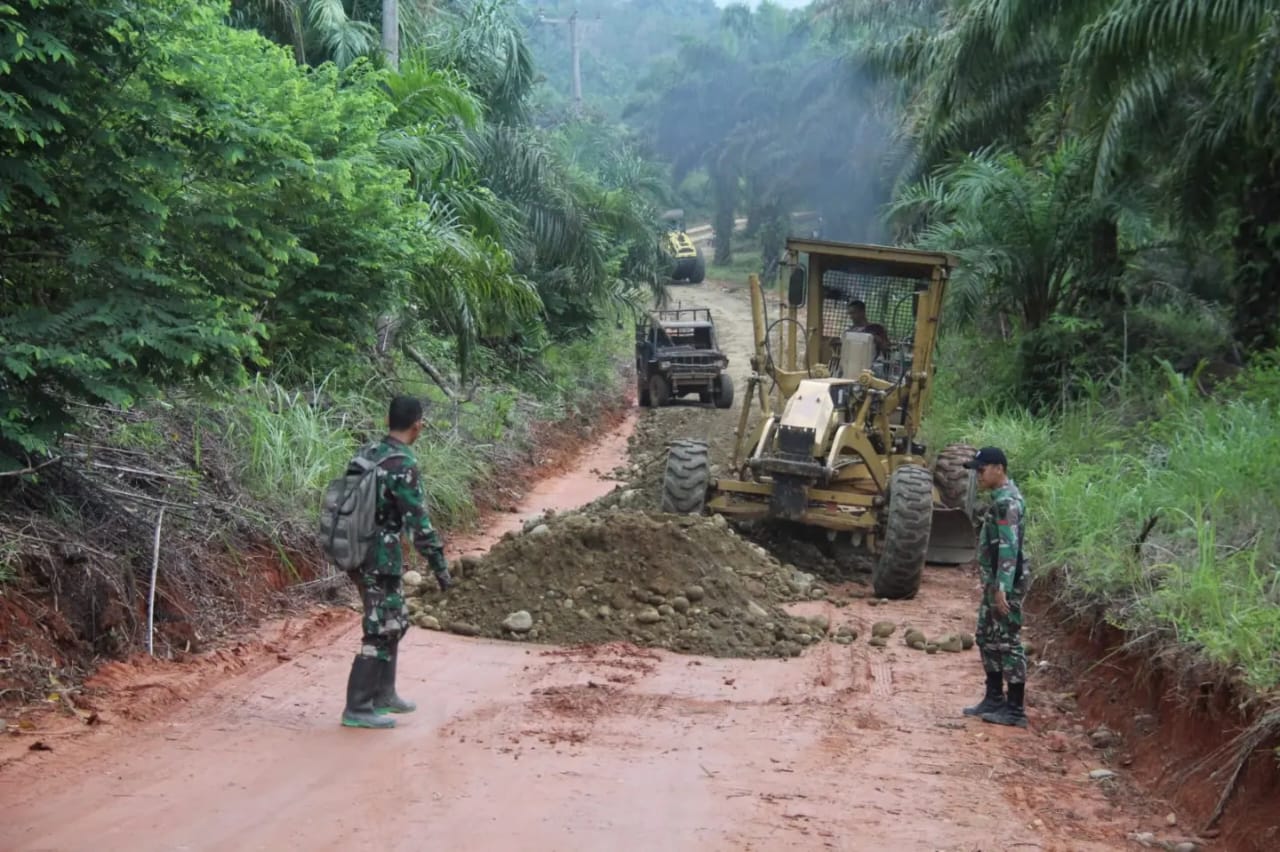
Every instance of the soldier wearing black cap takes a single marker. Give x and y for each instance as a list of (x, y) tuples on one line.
[(1004, 586)]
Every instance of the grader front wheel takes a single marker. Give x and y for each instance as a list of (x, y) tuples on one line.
[(688, 474), (898, 571), (951, 476)]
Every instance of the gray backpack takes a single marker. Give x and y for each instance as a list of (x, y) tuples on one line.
[(348, 515)]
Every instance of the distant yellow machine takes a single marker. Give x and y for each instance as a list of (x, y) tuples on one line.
[(843, 453), (687, 260)]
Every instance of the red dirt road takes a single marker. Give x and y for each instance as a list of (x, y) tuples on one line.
[(619, 748), (610, 748)]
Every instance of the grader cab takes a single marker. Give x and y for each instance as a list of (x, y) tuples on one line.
[(842, 380)]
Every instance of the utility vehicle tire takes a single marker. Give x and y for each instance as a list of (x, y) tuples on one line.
[(659, 390), (950, 475), (698, 268), (906, 540), (642, 388), (704, 397), (724, 391), (684, 485), (683, 269)]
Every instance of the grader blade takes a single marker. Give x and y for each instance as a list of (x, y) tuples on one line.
[(952, 538)]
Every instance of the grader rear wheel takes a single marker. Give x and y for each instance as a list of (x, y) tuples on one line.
[(898, 571), (950, 475), (684, 486)]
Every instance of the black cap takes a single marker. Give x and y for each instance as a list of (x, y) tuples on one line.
[(986, 456)]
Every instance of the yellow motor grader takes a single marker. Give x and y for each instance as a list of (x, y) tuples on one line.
[(838, 442), (688, 263)]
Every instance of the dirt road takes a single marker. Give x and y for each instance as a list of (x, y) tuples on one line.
[(616, 747)]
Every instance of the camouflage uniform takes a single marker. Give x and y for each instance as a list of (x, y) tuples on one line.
[(401, 508), (1001, 566)]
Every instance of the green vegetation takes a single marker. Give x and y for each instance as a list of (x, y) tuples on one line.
[(230, 232), (288, 443), (1149, 500), (289, 448), (1152, 128), (189, 205)]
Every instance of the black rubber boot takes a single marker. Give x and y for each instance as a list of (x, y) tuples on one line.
[(362, 686), (1012, 712), (994, 699), (386, 700)]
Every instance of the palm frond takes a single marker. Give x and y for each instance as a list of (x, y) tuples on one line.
[(1137, 104), (344, 40)]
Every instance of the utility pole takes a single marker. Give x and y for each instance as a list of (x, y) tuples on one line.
[(577, 63), (574, 51), (391, 32)]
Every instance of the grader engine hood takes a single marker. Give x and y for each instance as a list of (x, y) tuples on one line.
[(804, 432), (812, 407)]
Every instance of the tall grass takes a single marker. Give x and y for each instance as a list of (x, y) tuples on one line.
[(1152, 449), (289, 448)]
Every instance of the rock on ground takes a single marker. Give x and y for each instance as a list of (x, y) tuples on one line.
[(518, 622)]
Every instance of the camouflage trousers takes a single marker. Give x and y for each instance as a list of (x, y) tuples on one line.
[(386, 617), (999, 638)]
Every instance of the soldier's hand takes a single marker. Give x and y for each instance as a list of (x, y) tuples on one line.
[(444, 579), (1002, 603)]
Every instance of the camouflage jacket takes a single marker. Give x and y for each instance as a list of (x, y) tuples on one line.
[(402, 509), (1000, 541)]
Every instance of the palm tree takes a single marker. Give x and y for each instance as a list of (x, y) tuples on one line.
[(1209, 74), (583, 239), (717, 108), (316, 30), (504, 205), (689, 112), (1021, 230), (980, 74), (1181, 96)]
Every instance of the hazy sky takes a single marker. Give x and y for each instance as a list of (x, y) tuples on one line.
[(789, 4)]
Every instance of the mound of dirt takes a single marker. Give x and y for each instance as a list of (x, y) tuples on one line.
[(642, 491), (679, 582), (648, 444)]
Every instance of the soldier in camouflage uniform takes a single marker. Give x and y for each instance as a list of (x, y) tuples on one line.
[(371, 687), (1004, 588)]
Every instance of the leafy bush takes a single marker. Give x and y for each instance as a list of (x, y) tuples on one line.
[(182, 202), (188, 203)]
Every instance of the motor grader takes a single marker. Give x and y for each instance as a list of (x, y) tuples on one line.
[(688, 263), (837, 445)]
